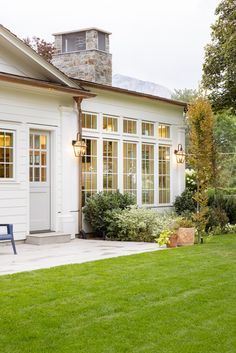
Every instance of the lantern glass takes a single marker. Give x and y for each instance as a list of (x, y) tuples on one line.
[(79, 148), (180, 155)]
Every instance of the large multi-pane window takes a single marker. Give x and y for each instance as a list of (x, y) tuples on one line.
[(147, 174), (89, 121), (89, 169), (147, 129), (163, 131), (110, 124), (164, 174), (6, 154), (130, 168), (110, 166), (129, 126), (38, 157)]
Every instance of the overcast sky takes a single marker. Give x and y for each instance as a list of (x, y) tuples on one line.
[(154, 40)]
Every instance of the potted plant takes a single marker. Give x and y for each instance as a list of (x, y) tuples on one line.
[(185, 232), (167, 237)]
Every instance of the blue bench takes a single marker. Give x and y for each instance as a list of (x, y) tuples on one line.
[(9, 235)]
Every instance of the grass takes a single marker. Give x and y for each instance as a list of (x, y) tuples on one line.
[(181, 301)]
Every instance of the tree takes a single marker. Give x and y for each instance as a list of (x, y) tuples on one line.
[(184, 95), (43, 48), (225, 137), (202, 158), (219, 68)]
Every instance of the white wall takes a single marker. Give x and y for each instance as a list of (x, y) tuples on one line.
[(22, 109)]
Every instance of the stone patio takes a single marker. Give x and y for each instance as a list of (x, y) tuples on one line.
[(33, 257)]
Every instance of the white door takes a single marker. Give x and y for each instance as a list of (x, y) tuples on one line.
[(39, 175)]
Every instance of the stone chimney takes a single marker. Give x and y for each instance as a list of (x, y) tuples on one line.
[(84, 54)]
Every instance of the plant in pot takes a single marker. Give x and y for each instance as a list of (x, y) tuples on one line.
[(185, 232), (168, 238)]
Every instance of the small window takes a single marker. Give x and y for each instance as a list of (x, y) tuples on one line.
[(110, 124), (89, 121), (164, 131), (101, 41), (73, 42), (6, 154), (129, 126), (147, 129)]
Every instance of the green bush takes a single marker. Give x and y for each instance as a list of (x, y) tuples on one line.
[(137, 224), (225, 203), (190, 180), (217, 218), (99, 204), (222, 191), (184, 203)]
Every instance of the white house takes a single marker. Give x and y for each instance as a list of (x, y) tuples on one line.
[(130, 136)]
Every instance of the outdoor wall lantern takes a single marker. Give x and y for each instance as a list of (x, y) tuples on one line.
[(180, 155), (79, 146)]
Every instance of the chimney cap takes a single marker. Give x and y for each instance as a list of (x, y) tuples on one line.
[(82, 30)]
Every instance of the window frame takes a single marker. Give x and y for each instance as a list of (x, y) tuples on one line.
[(87, 128), (133, 121), (126, 173), (13, 132), (166, 175), (114, 158), (166, 125), (91, 174), (143, 175), (149, 123), (113, 117)]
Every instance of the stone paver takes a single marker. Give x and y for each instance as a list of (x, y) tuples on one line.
[(33, 257)]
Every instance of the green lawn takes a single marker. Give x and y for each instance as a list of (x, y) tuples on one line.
[(181, 300)]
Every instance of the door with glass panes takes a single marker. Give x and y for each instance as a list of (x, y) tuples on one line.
[(39, 176)]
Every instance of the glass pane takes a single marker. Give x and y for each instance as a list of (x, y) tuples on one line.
[(31, 141), (9, 154), (115, 125), (1, 171), (43, 158), (125, 126), (83, 121), (104, 123), (43, 142), (43, 174), (2, 139), (94, 122), (9, 170), (36, 174), (8, 139), (37, 141), (1, 154), (36, 158), (31, 174)]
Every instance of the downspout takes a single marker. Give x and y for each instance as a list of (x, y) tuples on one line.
[(78, 101)]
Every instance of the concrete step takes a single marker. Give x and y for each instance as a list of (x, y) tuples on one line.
[(48, 238)]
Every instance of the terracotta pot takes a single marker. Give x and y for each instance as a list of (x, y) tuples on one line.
[(185, 236), (172, 241)]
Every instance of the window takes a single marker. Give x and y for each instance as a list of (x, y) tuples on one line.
[(89, 121), (164, 131), (130, 168), (147, 174), (101, 41), (110, 124), (89, 170), (6, 154), (110, 176), (73, 42), (147, 129), (164, 174), (38, 157), (129, 126)]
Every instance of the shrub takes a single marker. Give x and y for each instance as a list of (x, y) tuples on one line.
[(137, 224), (217, 217), (225, 203), (99, 204), (190, 180), (184, 203)]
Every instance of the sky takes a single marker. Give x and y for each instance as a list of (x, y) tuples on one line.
[(161, 41)]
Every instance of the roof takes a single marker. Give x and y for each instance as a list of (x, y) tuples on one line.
[(45, 84), (25, 49), (131, 93), (82, 30)]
